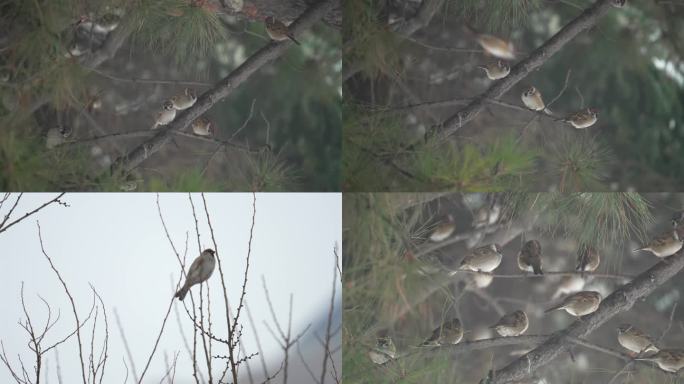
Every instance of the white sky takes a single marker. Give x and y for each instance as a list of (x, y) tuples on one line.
[(117, 243)]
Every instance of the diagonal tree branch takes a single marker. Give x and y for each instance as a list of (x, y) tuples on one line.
[(536, 59), (619, 301), (223, 89)]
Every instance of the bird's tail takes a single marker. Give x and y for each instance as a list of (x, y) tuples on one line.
[(548, 112), (640, 249), (293, 39), (182, 292), (559, 306)]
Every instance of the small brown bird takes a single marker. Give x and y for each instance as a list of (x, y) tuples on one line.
[(185, 100), (618, 3), (588, 259), (569, 284), (663, 245), (635, 340), (582, 119), (278, 31), (532, 99), (579, 304), (478, 280), (496, 46), (451, 332), (383, 351), (482, 259), (486, 215), (443, 230), (670, 360), (199, 272), (166, 115), (496, 71), (512, 324), (202, 127), (529, 257)]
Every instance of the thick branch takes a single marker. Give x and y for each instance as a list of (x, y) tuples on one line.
[(223, 89), (619, 301), (536, 59)]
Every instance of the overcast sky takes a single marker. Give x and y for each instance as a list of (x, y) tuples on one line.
[(116, 243)]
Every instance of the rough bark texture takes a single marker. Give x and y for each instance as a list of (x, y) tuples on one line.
[(536, 59), (619, 301)]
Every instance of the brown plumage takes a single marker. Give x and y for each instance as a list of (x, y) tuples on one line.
[(588, 259), (579, 304), (670, 360), (278, 31), (512, 324), (451, 332), (664, 245), (529, 257)]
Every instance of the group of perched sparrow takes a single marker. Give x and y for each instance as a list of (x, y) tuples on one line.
[(185, 100), (485, 259), (532, 99), (90, 32)]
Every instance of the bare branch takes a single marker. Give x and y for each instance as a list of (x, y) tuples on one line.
[(26, 215)]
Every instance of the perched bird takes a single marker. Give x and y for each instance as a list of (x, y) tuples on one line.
[(532, 99), (478, 280), (57, 135), (103, 24), (664, 245), (185, 100), (487, 215), (588, 259), (579, 304), (451, 332), (618, 3), (529, 257), (443, 230), (582, 119), (482, 259), (670, 360), (383, 351), (635, 340), (512, 324), (278, 31), (166, 115), (200, 270), (77, 48), (202, 127), (128, 186), (496, 71), (569, 284)]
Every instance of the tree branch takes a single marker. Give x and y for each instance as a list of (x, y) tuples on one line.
[(536, 59), (619, 301), (223, 89)]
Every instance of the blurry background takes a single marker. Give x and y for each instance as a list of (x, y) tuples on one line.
[(396, 282), (116, 243), (292, 104), (629, 67)]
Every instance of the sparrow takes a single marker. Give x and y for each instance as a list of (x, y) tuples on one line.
[(278, 31), (77, 48), (532, 99), (588, 259), (383, 351), (5, 75), (512, 324), (57, 135), (579, 304), (166, 115), (482, 259), (495, 46), (487, 216), (200, 270), (451, 332), (635, 340), (128, 186), (569, 284), (443, 230), (529, 257), (202, 127), (185, 100), (105, 24), (496, 71), (618, 3), (582, 119), (670, 360), (664, 245)]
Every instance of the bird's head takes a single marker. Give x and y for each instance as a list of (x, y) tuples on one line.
[(209, 251)]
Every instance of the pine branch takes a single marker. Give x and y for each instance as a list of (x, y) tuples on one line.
[(223, 89), (619, 301), (536, 59)]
